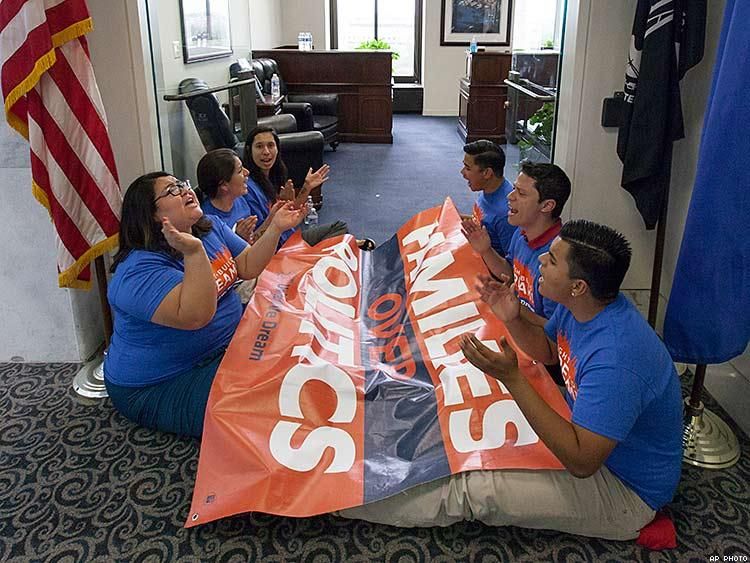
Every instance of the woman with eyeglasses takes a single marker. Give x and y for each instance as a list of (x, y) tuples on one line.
[(268, 182), (175, 309)]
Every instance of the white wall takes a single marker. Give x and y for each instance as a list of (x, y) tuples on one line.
[(442, 67), (119, 54), (597, 41), (304, 15), (184, 148), (266, 24)]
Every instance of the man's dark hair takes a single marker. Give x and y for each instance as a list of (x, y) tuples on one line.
[(551, 183), (487, 155), (140, 229), (598, 255)]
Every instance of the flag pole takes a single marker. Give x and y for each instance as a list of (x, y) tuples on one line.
[(101, 281), (661, 233), (707, 440), (89, 381)]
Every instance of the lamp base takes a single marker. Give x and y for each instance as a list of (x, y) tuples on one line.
[(707, 440), (89, 381)]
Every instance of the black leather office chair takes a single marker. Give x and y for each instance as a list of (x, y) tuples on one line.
[(299, 150), (313, 112)]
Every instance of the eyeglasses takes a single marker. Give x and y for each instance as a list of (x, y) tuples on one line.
[(176, 189)]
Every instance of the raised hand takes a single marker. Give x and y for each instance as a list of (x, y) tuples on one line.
[(182, 242), (287, 191), (288, 216), (502, 365), (278, 204), (500, 296), (246, 227), (476, 234), (315, 179)]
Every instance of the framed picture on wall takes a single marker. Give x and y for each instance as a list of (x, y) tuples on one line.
[(205, 29), (488, 20)]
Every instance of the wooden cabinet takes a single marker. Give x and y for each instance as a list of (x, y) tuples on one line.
[(482, 96), (362, 79)]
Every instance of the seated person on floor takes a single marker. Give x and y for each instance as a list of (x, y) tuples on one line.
[(221, 178), (267, 183), (175, 308), (534, 206), (622, 450), (484, 165)]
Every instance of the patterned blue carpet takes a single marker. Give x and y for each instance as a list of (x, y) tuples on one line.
[(78, 482)]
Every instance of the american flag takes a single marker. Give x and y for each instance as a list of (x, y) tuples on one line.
[(51, 98)]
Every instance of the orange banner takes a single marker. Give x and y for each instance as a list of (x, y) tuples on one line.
[(344, 383)]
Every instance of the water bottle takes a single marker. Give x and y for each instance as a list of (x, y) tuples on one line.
[(275, 86), (473, 44), (312, 214), (301, 39), (309, 41)]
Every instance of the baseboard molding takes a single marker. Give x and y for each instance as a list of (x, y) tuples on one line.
[(440, 112)]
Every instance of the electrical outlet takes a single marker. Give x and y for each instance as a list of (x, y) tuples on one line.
[(176, 49)]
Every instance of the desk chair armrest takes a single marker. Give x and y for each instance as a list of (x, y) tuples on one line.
[(282, 123), (322, 104), (302, 112)]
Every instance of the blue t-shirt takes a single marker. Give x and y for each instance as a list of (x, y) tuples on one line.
[(622, 384), (523, 257), (495, 217), (259, 205), (144, 353), (240, 210)]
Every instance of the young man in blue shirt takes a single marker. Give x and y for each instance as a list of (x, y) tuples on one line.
[(621, 384), (622, 448), (534, 206), (483, 170)]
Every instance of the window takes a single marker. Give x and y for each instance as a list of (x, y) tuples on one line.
[(537, 24), (397, 22)]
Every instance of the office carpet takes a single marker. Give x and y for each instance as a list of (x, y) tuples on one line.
[(376, 188), (78, 482)]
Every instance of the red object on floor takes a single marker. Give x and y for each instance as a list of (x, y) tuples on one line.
[(659, 533)]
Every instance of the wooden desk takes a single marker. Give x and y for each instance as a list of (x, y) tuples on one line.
[(269, 105), (482, 95), (362, 79)]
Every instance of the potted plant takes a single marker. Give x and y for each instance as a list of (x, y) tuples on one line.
[(378, 45), (538, 133)]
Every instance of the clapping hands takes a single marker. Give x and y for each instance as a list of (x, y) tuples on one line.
[(287, 191), (245, 228), (500, 296), (476, 234), (315, 179), (182, 242), (312, 181), (288, 215), (501, 365)]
